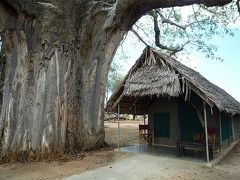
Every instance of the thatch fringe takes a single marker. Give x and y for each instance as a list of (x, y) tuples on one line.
[(152, 80)]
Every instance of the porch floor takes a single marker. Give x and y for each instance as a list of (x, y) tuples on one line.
[(166, 151)]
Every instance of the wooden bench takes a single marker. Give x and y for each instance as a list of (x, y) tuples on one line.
[(181, 145)]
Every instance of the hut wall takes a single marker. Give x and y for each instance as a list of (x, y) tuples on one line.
[(236, 122), (213, 122), (227, 131), (212, 115), (190, 123), (163, 106)]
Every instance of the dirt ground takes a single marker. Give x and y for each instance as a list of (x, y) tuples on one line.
[(230, 166), (58, 170), (128, 133), (91, 160)]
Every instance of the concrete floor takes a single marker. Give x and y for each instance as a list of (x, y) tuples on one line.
[(137, 167), (166, 151), (155, 163)]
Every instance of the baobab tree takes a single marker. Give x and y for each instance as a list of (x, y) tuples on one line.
[(57, 58)]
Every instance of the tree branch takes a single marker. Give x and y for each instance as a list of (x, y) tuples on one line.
[(184, 27), (195, 17), (157, 36), (205, 8), (141, 28), (138, 36), (238, 5), (126, 12), (165, 20)]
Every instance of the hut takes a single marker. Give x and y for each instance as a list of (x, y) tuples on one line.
[(184, 109)]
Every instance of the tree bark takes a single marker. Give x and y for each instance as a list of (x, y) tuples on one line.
[(57, 59)]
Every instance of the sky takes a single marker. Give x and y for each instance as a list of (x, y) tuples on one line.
[(225, 74)]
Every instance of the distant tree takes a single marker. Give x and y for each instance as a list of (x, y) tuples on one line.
[(114, 77), (116, 73)]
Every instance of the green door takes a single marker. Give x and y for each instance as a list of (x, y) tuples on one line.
[(161, 125), (226, 127), (189, 122)]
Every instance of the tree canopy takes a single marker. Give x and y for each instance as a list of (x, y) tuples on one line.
[(180, 30)]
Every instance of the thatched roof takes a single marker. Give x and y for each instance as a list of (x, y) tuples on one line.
[(156, 74)]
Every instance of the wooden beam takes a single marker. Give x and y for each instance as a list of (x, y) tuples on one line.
[(206, 131), (200, 117), (118, 126), (198, 113), (200, 93), (144, 119), (133, 103), (117, 101)]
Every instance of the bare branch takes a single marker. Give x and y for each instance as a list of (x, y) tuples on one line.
[(145, 33), (165, 20), (184, 27), (126, 12), (138, 36), (157, 35), (238, 5), (169, 15), (157, 31), (209, 10), (180, 48), (195, 17)]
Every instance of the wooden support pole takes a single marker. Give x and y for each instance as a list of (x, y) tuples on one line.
[(118, 126), (117, 101), (220, 130), (133, 104), (206, 131), (144, 119)]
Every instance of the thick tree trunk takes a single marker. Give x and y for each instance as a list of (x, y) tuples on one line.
[(57, 60), (55, 83)]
